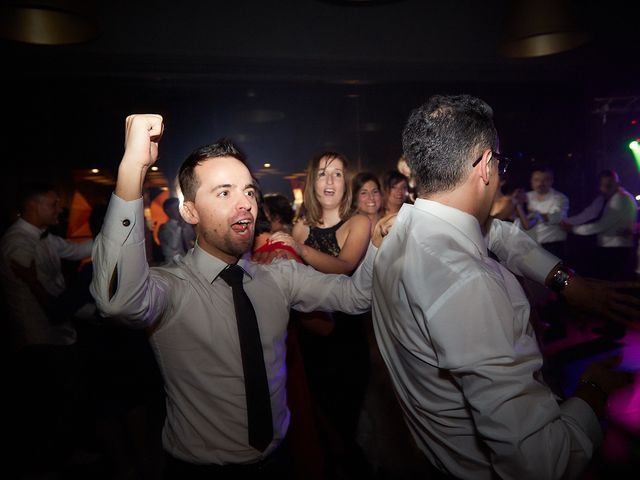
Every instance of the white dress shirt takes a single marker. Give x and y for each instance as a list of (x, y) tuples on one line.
[(23, 245), (453, 328), (556, 206), (194, 332), (616, 226)]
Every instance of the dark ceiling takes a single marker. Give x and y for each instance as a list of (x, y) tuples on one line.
[(312, 40), (289, 78)]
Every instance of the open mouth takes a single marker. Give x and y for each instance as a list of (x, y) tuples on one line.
[(329, 192), (242, 226)]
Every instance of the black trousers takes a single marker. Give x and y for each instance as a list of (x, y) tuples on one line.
[(276, 466)]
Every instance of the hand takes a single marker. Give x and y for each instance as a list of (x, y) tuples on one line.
[(269, 257), (599, 380), (142, 134), (519, 196), (604, 375), (567, 227), (605, 299), (287, 240), (382, 229)]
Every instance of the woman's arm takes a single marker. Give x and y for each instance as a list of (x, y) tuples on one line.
[(351, 252)]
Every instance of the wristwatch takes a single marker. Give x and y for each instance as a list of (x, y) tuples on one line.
[(561, 278)]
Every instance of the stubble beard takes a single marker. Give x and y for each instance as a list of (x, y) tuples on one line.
[(227, 245)]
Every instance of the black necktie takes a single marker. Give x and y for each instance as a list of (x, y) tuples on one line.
[(255, 375)]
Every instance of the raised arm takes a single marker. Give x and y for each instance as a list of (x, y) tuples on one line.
[(122, 284)]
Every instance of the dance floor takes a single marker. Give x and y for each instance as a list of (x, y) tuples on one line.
[(619, 455)]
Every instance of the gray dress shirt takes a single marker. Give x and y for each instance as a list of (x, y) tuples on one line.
[(189, 311)]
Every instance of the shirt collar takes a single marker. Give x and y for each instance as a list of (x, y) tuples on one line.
[(467, 224), (211, 266), (29, 228)]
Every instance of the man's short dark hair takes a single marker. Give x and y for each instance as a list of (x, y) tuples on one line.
[(280, 207), (186, 176), (443, 137), (30, 190)]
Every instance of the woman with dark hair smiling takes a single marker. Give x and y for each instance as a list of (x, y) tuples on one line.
[(367, 197)]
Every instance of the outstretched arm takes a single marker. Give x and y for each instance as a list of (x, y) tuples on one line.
[(523, 256)]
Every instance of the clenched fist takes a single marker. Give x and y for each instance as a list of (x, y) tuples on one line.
[(142, 134), (141, 138)]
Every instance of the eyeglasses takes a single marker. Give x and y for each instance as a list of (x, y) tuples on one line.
[(503, 162)]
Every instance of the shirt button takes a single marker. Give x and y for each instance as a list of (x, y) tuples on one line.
[(126, 222)]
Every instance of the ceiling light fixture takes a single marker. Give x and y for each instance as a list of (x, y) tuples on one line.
[(48, 22), (535, 28)]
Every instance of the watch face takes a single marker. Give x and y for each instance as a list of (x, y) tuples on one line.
[(561, 278)]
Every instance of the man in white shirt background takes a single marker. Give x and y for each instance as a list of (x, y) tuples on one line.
[(453, 325), (546, 209), (612, 217), (549, 207), (43, 344)]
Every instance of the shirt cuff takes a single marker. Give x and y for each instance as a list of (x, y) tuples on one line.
[(537, 264), (121, 218), (583, 415)]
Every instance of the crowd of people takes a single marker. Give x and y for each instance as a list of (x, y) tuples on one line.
[(381, 331)]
